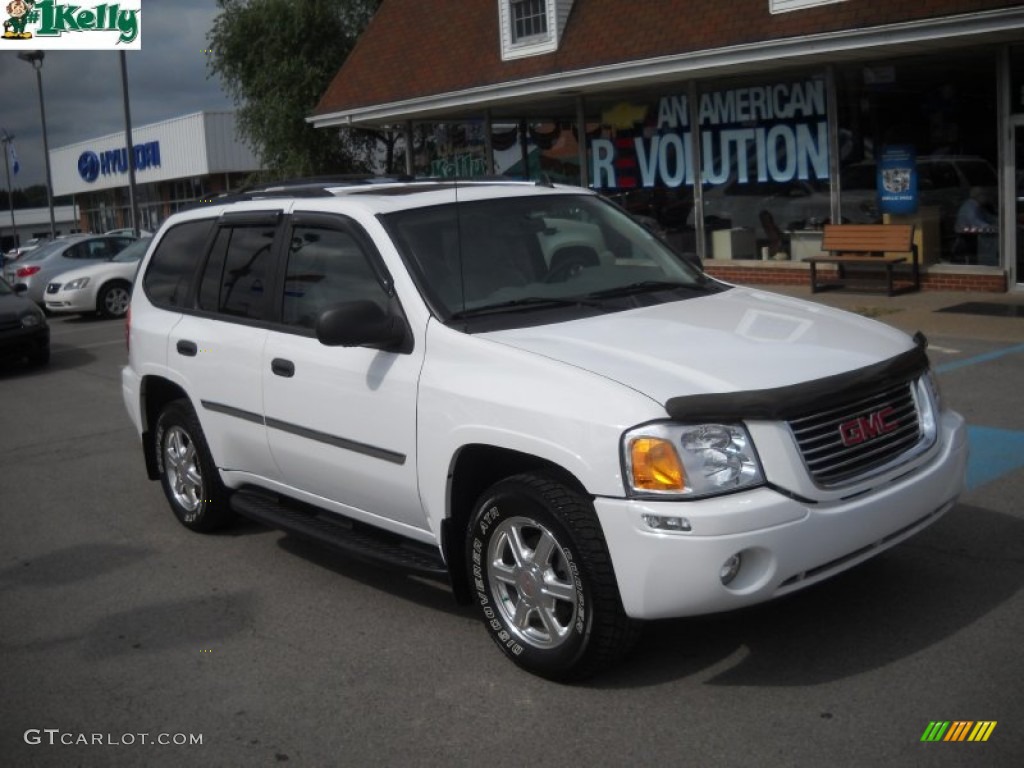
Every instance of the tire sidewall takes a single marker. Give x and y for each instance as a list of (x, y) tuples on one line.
[(181, 416), (510, 500), (102, 299)]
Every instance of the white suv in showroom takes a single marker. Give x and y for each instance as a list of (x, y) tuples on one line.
[(517, 387)]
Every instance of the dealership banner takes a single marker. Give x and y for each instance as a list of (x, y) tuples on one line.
[(32, 25), (776, 132)]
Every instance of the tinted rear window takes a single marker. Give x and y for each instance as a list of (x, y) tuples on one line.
[(173, 265)]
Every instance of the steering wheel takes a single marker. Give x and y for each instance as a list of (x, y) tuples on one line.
[(564, 271)]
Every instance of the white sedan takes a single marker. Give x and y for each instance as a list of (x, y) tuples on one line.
[(105, 287)]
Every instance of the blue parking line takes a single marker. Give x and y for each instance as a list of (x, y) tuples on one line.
[(994, 453), (993, 355)]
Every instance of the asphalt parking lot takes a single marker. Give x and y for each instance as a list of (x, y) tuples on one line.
[(117, 623)]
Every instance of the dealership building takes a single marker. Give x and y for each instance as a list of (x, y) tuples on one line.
[(178, 162), (791, 113)]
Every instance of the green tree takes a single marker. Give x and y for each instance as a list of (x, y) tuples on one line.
[(276, 58)]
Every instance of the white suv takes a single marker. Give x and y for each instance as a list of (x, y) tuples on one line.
[(517, 386)]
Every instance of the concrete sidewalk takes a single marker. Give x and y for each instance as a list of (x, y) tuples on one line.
[(919, 311)]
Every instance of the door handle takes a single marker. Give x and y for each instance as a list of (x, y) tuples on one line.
[(187, 348), (282, 367)]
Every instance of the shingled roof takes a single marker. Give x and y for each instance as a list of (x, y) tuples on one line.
[(414, 50)]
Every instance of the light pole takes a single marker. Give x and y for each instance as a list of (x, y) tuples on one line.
[(6, 140), (35, 58), (133, 204)]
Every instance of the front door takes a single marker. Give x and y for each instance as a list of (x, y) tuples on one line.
[(341, 421)]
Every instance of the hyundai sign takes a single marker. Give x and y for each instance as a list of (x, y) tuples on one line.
[(112, 161)]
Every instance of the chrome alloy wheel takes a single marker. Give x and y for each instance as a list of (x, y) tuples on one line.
[(532, 582), (116, 300), (181, 463)]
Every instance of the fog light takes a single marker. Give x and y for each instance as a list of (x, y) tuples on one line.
[(730, 568), (659, 523)]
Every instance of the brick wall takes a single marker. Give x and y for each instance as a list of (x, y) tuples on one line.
[(936, 278)]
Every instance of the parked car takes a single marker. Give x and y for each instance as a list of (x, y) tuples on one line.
[(24, 331), (944, 181), (129, 231), (520, 389), (20, 250), (105, 287), (37, 268), (795, 204)]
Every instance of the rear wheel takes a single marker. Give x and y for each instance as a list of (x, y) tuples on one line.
[(187, 472), (113, 299), (543, 579)]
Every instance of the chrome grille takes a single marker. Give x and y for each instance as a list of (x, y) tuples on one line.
[(856, 438)]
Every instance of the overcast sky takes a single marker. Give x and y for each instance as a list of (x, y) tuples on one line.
[(82, 89)]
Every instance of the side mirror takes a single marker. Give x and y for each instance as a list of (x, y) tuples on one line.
[(363, 324)]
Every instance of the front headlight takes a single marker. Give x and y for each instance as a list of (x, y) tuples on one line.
[(689, 461), (75, 285), (31, 320)]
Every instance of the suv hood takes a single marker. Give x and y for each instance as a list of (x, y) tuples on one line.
[(734, 341)]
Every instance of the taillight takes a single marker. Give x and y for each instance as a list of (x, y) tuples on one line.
[(26, 271)]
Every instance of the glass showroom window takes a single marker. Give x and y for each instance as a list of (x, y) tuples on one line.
[(765, 164), (918, 143)]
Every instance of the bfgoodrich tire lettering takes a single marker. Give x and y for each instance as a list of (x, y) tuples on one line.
[(543, 581), (187, 472)]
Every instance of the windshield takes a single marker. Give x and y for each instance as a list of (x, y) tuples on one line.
[(524, 254), (135, 251)]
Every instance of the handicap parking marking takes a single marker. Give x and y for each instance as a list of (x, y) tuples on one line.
[(995, 354), (993, 453)]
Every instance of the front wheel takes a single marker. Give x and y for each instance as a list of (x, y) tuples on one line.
[(187, 472), (544, 580), (113, 299)]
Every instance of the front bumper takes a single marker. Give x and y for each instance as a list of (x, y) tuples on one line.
[(785, 544), (24, 341), (70, 301)]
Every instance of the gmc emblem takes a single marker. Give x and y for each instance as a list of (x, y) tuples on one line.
[(864, 428)]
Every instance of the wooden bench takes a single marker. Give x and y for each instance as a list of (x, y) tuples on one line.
[(884, 245)]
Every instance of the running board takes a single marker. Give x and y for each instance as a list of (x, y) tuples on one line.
[(339, 533)]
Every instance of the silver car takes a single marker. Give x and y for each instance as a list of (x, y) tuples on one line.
[(37, 268)]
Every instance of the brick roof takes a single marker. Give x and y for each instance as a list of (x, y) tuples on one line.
[(414, 48)]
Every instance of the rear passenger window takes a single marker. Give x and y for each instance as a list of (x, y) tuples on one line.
[(325, 267), (169, 273), (235, 277)]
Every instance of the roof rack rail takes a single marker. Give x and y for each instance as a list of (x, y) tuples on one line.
[(320, 186), (308, 186)]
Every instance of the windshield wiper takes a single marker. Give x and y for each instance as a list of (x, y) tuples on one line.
[(524, 304), (643, 286)]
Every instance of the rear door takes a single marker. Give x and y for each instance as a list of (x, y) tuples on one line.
[(218, 344)]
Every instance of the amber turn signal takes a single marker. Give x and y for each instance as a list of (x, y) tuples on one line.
[(655, 465)]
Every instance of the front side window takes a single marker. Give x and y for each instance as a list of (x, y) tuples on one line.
[(529, 20), (326, 267)]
